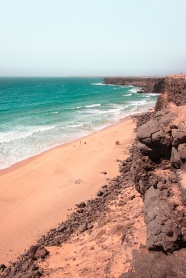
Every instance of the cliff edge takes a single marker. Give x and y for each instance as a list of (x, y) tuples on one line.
[(136, 227), (159, 174), (146, 84), (173, 92)]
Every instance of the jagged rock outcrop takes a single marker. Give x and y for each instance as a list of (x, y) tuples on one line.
[(173, 91), (158, 171), (164, 203), (155, 137), (157, 265), (147, 84), (165, 215), (165, 136)]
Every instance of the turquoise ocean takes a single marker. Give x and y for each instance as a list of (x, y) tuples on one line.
[(37, 114)]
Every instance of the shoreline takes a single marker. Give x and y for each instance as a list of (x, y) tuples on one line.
[(30, 159), (114, 230), (38, 193)]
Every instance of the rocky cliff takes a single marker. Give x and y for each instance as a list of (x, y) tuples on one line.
[(159, 173), (136, 227), (147, 84), (173, 92)]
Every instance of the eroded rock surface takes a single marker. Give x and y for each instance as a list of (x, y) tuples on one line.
[(164, 136), (107, 236), (147, 84), (173, 92), (157, 265)]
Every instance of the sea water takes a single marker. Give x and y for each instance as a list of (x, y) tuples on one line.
[(37, 114)]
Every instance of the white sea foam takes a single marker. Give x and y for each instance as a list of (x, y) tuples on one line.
[(154, 94), (98, 84), (93, 105), (127, 95), (133, 109), (73, 108), (76, 125), (141, 102), (24, 132), (99, 112), (52, 112)]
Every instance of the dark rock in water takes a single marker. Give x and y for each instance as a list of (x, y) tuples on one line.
[(140, 92)]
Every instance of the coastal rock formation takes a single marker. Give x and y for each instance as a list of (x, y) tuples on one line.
[(158, 170), (165, 136), (110, 231), (157, 265), (147, 84), (164, 215), (172, 92), (155, 137)]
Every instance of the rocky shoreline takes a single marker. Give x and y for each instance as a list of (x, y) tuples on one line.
[(146, 84), (151, 187)]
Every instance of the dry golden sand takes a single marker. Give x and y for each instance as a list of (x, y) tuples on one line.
[(107, 251), (35, 195)]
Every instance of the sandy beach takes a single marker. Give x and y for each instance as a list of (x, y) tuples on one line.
[(39, 193)]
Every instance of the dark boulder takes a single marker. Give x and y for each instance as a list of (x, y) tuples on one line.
[(157, 265)]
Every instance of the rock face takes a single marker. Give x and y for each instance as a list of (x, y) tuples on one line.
[(155, 137), (157, 265), (165, 136), (148, 84), (164, 215), (173, 91), (159, 165), (157, 168)]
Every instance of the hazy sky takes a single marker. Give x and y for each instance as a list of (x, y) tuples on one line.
[(92, 37)]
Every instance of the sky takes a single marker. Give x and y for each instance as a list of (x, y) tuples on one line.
[(92, 37)]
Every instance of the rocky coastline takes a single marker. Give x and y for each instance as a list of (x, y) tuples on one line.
[(138, 219), (146, 84)]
